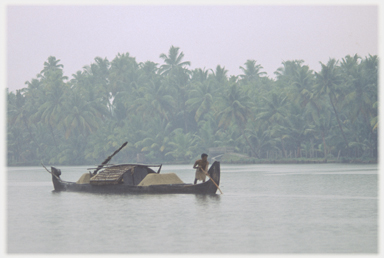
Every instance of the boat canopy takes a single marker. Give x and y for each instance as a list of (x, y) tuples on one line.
[(130, 174)]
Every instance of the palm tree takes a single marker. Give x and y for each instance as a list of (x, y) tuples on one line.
[(301, 90), (51, 64), (288, 70), (375, 120), (182, 144), (274, 109), (235, 107), (262, 139), (205, 135), (52, 110), (123, 73), (15, 145), (19, 112), (155, 100), (200, 99), (200, 75), (251, 71), (92, 86), (328, 80), (33, 93), (98, 145), (220, 75), (149, 71), (97, 80), (157, 139), (361, 92), (177, 77), (80, 116), (72, 151), (100, 69), (173, 60), (299, 129)]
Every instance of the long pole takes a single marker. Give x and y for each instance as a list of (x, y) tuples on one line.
[(109, 158), (214, 183)]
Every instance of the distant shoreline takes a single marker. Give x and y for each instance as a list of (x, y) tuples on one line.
[(235, 158), (238, 161), (303, 162)]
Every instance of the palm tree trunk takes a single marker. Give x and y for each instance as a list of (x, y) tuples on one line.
[(299, 150), (249, 143), (324, 145), (282, 146), (53, 136), (312, 152), (29, 130), (338, 120)]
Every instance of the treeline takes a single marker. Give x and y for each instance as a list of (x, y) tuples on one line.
[(171, 113)]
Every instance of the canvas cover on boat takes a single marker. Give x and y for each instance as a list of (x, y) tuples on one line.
[(111, 175), (160, 179), (136, 175), (84, 179)]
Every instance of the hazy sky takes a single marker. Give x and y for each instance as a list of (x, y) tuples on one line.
[(208, 35)]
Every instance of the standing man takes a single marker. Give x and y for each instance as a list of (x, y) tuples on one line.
[(201, 166)]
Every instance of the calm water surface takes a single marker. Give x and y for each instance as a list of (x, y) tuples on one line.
[(327, 208)]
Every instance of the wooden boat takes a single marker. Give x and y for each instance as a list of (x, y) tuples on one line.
[(129, 178)]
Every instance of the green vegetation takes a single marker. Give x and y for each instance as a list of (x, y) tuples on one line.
[(172, 114)]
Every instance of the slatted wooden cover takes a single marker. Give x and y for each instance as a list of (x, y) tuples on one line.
[(111, 175)]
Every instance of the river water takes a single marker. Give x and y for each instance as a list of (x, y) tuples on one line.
[(275, 209)]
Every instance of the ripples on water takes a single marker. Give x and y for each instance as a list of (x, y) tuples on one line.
[(326, 208)]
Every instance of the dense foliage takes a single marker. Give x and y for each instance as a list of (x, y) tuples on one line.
[(172, 113)]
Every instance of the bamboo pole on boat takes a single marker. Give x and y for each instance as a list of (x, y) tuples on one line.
[(109, 158), (213, 181)]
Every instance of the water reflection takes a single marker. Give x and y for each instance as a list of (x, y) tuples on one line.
[(207, 198), (54, 192), (296, 213)]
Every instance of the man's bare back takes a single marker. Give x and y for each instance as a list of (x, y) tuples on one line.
[(201, 167)]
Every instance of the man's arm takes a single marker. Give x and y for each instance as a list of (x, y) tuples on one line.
[(196, 163)]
